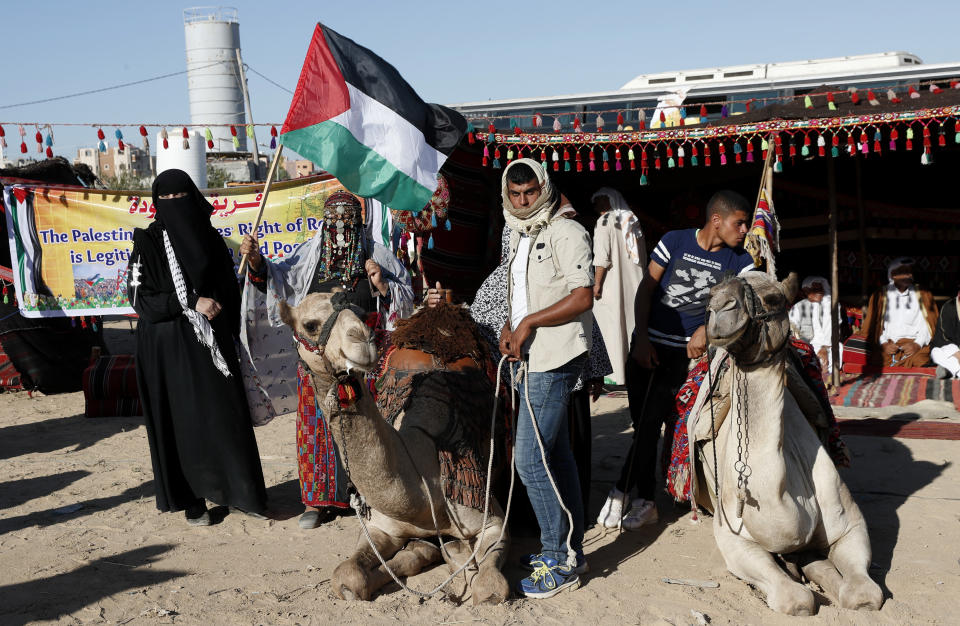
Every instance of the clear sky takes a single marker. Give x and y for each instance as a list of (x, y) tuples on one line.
[(449, 51)]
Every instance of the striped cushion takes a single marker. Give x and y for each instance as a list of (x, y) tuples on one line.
[(110, 387), (855, 350)]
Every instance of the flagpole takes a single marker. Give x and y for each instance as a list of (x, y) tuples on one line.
[(263, 201), (763, 181)]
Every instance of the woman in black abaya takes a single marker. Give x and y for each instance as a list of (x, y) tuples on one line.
[(182, 285)]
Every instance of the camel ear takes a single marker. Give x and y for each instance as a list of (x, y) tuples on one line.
[(286, 314), (790, 286)]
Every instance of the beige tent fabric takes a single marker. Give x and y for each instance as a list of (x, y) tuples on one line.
[(614, 310)]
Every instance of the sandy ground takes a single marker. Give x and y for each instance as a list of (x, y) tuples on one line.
[(82, 542)]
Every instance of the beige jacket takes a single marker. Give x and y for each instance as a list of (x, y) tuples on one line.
[(561, 260)]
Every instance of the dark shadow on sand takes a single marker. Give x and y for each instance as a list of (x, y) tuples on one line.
[(62, 513), (882, 476), (55, 596), (283, 500), (77, 432), (17, 492)]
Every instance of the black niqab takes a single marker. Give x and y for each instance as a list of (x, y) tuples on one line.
[(198, 245)]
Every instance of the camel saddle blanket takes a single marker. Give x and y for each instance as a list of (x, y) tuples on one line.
[(804, 381), (455, 400)]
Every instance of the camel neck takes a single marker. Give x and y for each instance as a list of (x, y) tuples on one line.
[(756, 413)]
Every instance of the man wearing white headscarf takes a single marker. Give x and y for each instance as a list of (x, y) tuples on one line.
[(810, 319), (900, 319), (549, 297), (619, 256)]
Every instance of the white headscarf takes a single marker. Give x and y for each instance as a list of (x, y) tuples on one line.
[(528, 220), (898, 262), (810, 280), (624, 220)]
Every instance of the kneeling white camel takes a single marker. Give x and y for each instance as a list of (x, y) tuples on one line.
[(779, 491)]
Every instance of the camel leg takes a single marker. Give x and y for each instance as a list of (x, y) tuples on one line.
[(489, 586), (821, 571), (749, 562), (354, 579), (850, 554), (458, 551), (410, 561)]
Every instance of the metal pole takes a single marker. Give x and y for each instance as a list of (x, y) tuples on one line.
[(246, 101), (834, 274)]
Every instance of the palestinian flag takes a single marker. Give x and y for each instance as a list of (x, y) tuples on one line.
[(356, 117)]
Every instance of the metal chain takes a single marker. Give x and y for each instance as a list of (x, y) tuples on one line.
[(743, 439)]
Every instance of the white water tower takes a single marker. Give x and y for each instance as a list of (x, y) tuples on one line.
[(213, 74)]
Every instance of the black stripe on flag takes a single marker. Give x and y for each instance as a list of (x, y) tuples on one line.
[(441, 126)]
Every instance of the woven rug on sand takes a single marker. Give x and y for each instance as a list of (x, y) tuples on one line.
[(895, 390), (874, 427)]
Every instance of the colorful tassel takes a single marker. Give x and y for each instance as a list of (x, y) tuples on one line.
[(872, 99), (934, 88), (807, 102), (892, 96), (914, 94), (831, 104), (576, 124), (557, 127), (619, 121), (854, 96), (703, 110), (641, 119), (164, 136), (599, 123)]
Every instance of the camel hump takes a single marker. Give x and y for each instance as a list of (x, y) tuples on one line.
[(447, 332)]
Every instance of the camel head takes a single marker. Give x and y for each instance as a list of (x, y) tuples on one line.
[(345, 344), (747, 315)]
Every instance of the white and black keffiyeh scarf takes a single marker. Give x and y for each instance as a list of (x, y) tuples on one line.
[(201, 326)]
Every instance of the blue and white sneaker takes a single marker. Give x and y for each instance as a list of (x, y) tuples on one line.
[(548, 579), (528, 563)]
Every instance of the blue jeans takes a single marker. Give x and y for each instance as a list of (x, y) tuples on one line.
[(549, 397)]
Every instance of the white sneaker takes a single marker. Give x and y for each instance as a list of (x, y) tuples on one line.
[(612, 509), (642, 512)]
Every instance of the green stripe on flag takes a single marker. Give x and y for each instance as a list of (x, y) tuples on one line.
[(358, 167)]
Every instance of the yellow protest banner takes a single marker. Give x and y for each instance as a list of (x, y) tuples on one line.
[(69, 246)]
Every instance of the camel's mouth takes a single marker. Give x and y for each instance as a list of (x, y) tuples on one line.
[(726, 324)]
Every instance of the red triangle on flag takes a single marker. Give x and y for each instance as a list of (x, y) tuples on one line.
[(321, 92)]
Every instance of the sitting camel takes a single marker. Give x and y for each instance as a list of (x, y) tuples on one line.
[(396, 465), (779, 492)]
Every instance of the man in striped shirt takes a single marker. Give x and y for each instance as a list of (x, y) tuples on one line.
[(670, 310)]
